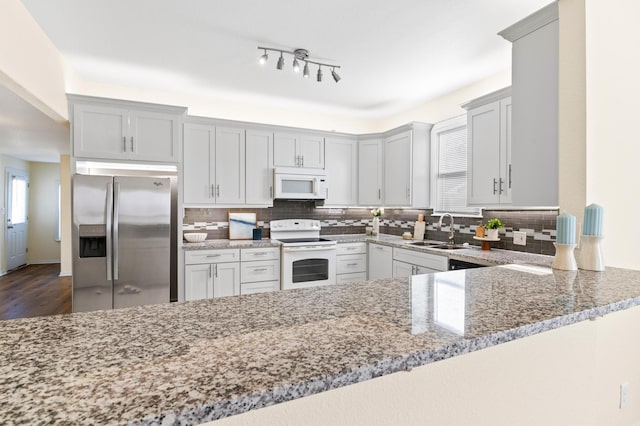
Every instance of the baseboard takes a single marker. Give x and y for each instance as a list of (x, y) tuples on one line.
[(64, 274), (43, 261)]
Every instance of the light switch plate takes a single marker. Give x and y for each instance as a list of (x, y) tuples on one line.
[(519, 238)]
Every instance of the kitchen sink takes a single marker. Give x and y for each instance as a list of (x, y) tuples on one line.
[(424, 244), (448, 247)]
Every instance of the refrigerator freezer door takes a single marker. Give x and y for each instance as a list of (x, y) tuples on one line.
[(142, 244), (92, 285)]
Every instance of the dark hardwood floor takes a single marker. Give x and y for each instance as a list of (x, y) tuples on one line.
[(34, 290)]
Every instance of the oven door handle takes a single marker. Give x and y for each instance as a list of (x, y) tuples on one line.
[(314, 248)]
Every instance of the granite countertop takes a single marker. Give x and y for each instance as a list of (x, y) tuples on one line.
[(473, 254), (196, 361)]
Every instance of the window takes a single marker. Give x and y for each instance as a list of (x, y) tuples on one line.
[(449, 168)]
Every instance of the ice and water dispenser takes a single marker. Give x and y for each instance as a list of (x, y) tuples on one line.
[(93, 241)]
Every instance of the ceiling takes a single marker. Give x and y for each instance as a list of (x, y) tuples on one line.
[(393, 54)]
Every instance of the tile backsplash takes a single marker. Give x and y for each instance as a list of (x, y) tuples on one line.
[(540, 225)]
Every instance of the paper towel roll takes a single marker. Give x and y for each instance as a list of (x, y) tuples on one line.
[(418, 231)]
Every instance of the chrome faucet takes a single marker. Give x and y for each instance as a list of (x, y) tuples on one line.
[(451, 228)]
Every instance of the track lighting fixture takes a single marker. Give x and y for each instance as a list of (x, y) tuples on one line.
[(280, 62), (335, 75), (263, 59), (299, 55)]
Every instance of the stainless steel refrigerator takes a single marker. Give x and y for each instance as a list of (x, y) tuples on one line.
[(121, 241)]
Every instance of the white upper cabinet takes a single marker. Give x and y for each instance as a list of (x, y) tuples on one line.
[(214, 165), (119, 130), (489, 149), (397, 166), (535, 69), (370, 176), (298, 150), (341, 155), (258, 169)]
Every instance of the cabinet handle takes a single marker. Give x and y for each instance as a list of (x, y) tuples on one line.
[(124, 144), (213, 194), (379, 194), (260, 253), (302, 158), (297, 160), (495, 182), (501, 184), (408, 193), (217, 190), (350, 248), (379, 248), (509, 176), (210, 268), (215, 268), (213, 255), (271, 192), (259, 269), (352, 264), (131, 143)]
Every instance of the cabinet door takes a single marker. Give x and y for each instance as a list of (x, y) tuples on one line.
[(505, 151), (100, 132), (284, 150), (422, 270), (226, 279), (311, 150), (370, 163), (341, 156), (483, 154), (401, 269), (229, 166), (259, 172), (198, 281), (198, 148), (380, 262), (153, 136), (397, 164)]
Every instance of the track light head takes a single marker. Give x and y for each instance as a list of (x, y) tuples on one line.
[(280, 64), (263, 59), (296, 65), (305, 73), (335, 75), (319, 74)]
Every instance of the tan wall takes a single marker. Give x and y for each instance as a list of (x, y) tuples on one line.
[(14, 163), (612, 149), (568, 376), (43, 213), (65, 214), (30, 65)]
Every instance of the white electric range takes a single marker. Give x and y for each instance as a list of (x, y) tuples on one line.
[(307, 259)]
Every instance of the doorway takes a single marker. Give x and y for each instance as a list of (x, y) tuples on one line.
[(17, 191)]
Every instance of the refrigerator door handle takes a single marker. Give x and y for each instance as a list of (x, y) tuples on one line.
[(116, 209), (108, 230)]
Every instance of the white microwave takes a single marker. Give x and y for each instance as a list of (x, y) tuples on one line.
[(292, 183)]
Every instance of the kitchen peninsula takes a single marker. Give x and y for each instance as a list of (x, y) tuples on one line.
[(197, 361)]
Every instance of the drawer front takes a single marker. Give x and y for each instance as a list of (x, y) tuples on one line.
[(264, 253), (352, 248), (211, 256), (349, 278), (352, 263), (261, 287), (427, 260), (260, 270)]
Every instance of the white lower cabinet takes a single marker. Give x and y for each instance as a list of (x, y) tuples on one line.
[(380, 261), (351, 262), (409, 262), (211, 273), (260, 270)]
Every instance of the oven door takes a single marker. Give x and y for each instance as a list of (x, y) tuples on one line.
[(308, 266)]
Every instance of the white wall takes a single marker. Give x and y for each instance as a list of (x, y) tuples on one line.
[(567, 376), (30, 65), (14, 163), (65, 214), (43, 217), (612, 147)]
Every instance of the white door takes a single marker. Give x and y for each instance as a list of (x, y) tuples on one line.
[(505, 151), (397, 166), (284, 150), (100, 132), (380, 262), (370, 172), (198, 146), (198, 281), (226, 279), (341, 156), (258, 170), (229, 165), (311, 150), (483, 154), (153, 136), (17, 217)]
